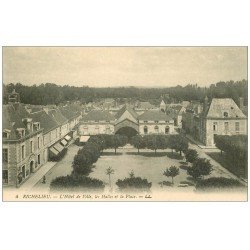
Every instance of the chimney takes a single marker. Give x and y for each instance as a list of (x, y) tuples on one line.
[(241, 102), (28, 123)]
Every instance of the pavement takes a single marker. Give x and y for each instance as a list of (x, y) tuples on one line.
[(38, 175), (218, 169)]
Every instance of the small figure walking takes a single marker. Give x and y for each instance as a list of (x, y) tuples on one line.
[(44, 179)]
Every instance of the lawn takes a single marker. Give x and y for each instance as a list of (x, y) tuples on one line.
[(146, 165), (224, 162)]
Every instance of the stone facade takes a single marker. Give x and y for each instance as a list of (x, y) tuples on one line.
[(220, 117), (149, 122), (28, 133)]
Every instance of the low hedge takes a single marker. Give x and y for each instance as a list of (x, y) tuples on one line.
[(76, 182), (134, 184), (218, 183)]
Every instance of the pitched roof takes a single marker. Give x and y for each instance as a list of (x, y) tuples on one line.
[(98, 115), (220, 105), (70, 112), (146, 105), (162, 103), (154, 115), (13, 116), (126, 107), (175, 108), (57, 116), (46, 121)]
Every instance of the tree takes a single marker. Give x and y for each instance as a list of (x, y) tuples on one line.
[(172, 172), (155, 142), (217, 183), (82, 163), (138, 142), (85, 158), (133, 183), (50, 93), (76, 183), (200, 168), (98, 140), (118, 141), (109, 171), (181, 144), (191, 155), (131, 174), (236, 150)]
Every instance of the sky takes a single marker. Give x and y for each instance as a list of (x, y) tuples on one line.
[(124, 66)]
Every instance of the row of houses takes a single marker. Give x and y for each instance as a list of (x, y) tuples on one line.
[(31, 135)]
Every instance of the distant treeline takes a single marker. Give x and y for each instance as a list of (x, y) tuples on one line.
[(50, 93)]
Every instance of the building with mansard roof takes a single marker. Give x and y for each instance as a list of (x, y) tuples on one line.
[(221, 116)]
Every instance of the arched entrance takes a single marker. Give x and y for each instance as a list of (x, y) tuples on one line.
[(31, 167), (127, 131), (127, 127)]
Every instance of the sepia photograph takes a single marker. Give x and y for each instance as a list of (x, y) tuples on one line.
[(125, 123)]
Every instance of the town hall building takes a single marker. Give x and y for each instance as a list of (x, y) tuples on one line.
[(126, 121)]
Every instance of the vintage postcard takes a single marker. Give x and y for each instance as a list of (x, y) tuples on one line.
[(124, 124)]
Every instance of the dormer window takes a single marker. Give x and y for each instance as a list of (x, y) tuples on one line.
[(28, 123), (6, 134), (21, 132), (225, 114), (36, 125)]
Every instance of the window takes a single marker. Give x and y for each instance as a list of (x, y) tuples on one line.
[(226, 126), (36, 125), (156, 129), (31, 146), (39, 159), (108, 130), (23, 171), (23, 151), (5, 135), (5, 177), (38, 142), (85, 130), (145, 121), (215, 126), (145, 130), (156, 121), (167, 130), (97, 130), (225, 114), (237, 126), (5, 155)]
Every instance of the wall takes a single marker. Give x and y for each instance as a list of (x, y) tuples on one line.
[(91, 128), (16, 162), (151, 127), (209, 133)]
